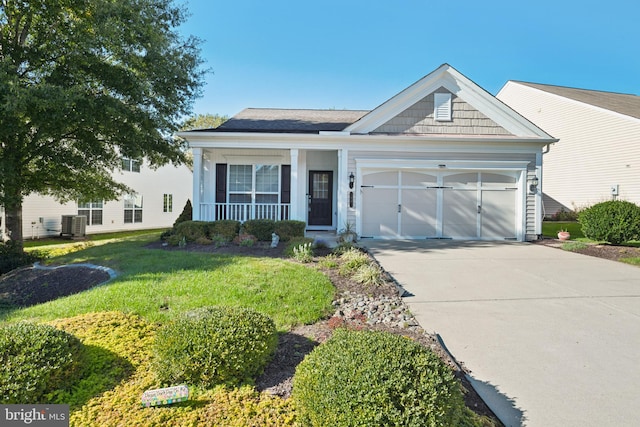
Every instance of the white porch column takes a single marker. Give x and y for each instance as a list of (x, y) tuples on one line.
[(343, 188), (295, 209), (197, 182)]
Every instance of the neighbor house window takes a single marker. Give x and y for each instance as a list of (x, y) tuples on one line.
[(92, 210), (130, 165), (132, 208), (254, 183), (442, 107), (167, 203)]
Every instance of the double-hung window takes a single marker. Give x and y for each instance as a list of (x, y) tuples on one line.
[(130, 165), (92, 210), (167, 203), (256, 184), (132, 208)]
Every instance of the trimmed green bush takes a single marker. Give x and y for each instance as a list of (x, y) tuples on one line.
[(261, 228), (290, 229), (614, 221), (192, 230), (214, 345), (366, 378), (36, 360), (185, 215), (227, 228)]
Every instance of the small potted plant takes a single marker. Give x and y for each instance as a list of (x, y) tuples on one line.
[(563, 234)]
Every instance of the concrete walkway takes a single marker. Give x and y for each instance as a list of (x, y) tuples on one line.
[(552, 338)]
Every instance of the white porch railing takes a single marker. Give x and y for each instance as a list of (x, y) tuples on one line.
[(244, 211)]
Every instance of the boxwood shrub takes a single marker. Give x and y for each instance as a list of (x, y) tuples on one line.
[(36, 360), (615, 221), (367, 378), (214, 345), (227, 228), (289, 229), (261, 228)]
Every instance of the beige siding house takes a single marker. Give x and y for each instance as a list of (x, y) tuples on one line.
[(442, 159), (160, 196), (597, 157)]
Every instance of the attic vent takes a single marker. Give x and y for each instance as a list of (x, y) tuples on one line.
[(442, 107)]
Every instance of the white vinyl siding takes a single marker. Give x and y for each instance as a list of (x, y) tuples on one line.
[(597, 148)]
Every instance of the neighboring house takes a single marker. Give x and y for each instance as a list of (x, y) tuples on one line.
[(441, 159), (160, 196), (598, 155)]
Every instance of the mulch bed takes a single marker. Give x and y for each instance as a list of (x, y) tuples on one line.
[(29, 286)]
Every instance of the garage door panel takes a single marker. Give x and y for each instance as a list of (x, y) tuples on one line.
[(380, 212), (419, 212), (450, 204), (498, 214), (459, 214), (420, 179)]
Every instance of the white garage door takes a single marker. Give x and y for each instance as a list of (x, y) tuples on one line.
[(433, 204)]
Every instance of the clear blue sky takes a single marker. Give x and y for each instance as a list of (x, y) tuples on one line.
[(355, 54)]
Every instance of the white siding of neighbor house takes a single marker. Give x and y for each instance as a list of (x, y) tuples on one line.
[(597, 148), (41, 215), (418, 119)]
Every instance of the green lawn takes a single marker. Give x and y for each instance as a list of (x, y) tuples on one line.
[(148, 279), (551, 228)]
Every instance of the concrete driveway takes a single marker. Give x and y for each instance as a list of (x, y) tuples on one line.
[(552, 338)]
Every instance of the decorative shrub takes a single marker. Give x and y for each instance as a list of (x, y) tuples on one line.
[(246, 240), (226, 228), (351, 260), (36, 360), (261, 228), (366, 378), (369, 274), (303, 253), (294, 243), (11, 257), (289, 229), (191, 230), (214, 345), (565, 215), (614, 221), (186, 215)]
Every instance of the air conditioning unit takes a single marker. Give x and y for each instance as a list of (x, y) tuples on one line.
[(74, 225)]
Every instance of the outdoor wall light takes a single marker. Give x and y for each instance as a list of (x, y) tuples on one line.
[(352, 179), (533, 185)]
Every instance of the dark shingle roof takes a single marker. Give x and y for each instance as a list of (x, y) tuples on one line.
[(289, 121), (622, 103)]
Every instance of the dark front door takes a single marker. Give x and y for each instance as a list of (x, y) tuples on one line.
[(320, 197)]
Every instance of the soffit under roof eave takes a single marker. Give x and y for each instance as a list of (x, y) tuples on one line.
[(249, 140)]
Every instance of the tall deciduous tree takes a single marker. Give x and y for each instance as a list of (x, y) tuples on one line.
[(204, 121), (83, 83)]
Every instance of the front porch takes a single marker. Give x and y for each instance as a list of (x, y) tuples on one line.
[(277, 184), (244, 211)]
